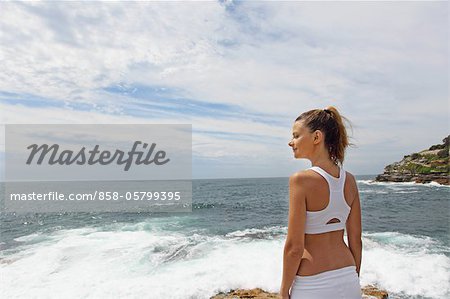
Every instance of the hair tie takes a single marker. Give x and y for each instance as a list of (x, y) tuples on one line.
[(327, 111)]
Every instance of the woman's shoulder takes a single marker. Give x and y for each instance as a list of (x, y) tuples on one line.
[(302, 176), (350, 183), (350, 177)]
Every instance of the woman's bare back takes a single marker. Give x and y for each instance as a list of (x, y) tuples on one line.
[(325, 251)]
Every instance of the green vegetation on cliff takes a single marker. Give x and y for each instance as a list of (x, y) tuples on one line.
[(428, 165), (432, 160)]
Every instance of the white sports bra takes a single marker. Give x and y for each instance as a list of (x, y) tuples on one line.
[(316, 221)]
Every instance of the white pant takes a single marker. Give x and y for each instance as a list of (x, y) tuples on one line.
[(341, 283)]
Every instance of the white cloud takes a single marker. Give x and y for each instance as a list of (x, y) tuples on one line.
[(385, 64)]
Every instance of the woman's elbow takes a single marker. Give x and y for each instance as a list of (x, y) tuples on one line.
[(294, 249)]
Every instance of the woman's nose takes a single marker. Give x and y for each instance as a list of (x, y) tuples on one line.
[(290, 143)]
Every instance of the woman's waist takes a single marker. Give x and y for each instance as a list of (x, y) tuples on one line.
[(327, 279), (309, 268), (318, 260)]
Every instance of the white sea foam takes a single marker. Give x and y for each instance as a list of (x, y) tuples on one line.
[(138, 262), (405, 265), (367, 182), (135, 264), (395, 190), (435, 184), (390, 184), (372, 182), (411, 191), (258, 232)]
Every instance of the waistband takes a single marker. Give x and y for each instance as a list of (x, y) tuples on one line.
[(341, 272)]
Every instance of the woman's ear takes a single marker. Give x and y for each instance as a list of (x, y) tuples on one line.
[(317, 135)]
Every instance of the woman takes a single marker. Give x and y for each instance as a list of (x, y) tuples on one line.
[(323, 201)]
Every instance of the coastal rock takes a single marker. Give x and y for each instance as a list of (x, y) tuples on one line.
[(369, 292), (430, 165), (242, 293)]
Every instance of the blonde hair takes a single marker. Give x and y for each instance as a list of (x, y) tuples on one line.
[(331, 123)]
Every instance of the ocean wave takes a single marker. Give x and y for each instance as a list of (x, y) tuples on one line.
[(137, 261), (259, 233), (406, 265), (435, 184), (373, 191), (373, 182), (133, 264), (403, 241)]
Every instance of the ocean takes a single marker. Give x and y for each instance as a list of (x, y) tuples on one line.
[(233, 238)]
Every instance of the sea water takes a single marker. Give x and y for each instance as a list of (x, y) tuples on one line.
[(233, 238)]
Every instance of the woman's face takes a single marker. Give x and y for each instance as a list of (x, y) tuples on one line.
[(302, 141)]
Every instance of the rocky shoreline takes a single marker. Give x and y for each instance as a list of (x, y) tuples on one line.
[(430, 165), (369, 292)]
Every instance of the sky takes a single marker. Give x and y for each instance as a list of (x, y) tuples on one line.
[(239, 72)]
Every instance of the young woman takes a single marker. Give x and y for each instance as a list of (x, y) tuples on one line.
[(323, 201)]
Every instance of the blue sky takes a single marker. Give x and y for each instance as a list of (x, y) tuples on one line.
[(239, 72)]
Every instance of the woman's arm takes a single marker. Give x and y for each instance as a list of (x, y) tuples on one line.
[(294, 246), (354, 228)]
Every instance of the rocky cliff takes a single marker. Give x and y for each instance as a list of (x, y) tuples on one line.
[(423, 167), (369, 292)]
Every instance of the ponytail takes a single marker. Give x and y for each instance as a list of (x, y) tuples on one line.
[(331, 123)]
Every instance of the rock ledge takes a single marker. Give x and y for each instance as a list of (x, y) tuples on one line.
[(369, 292), (430, 165)]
